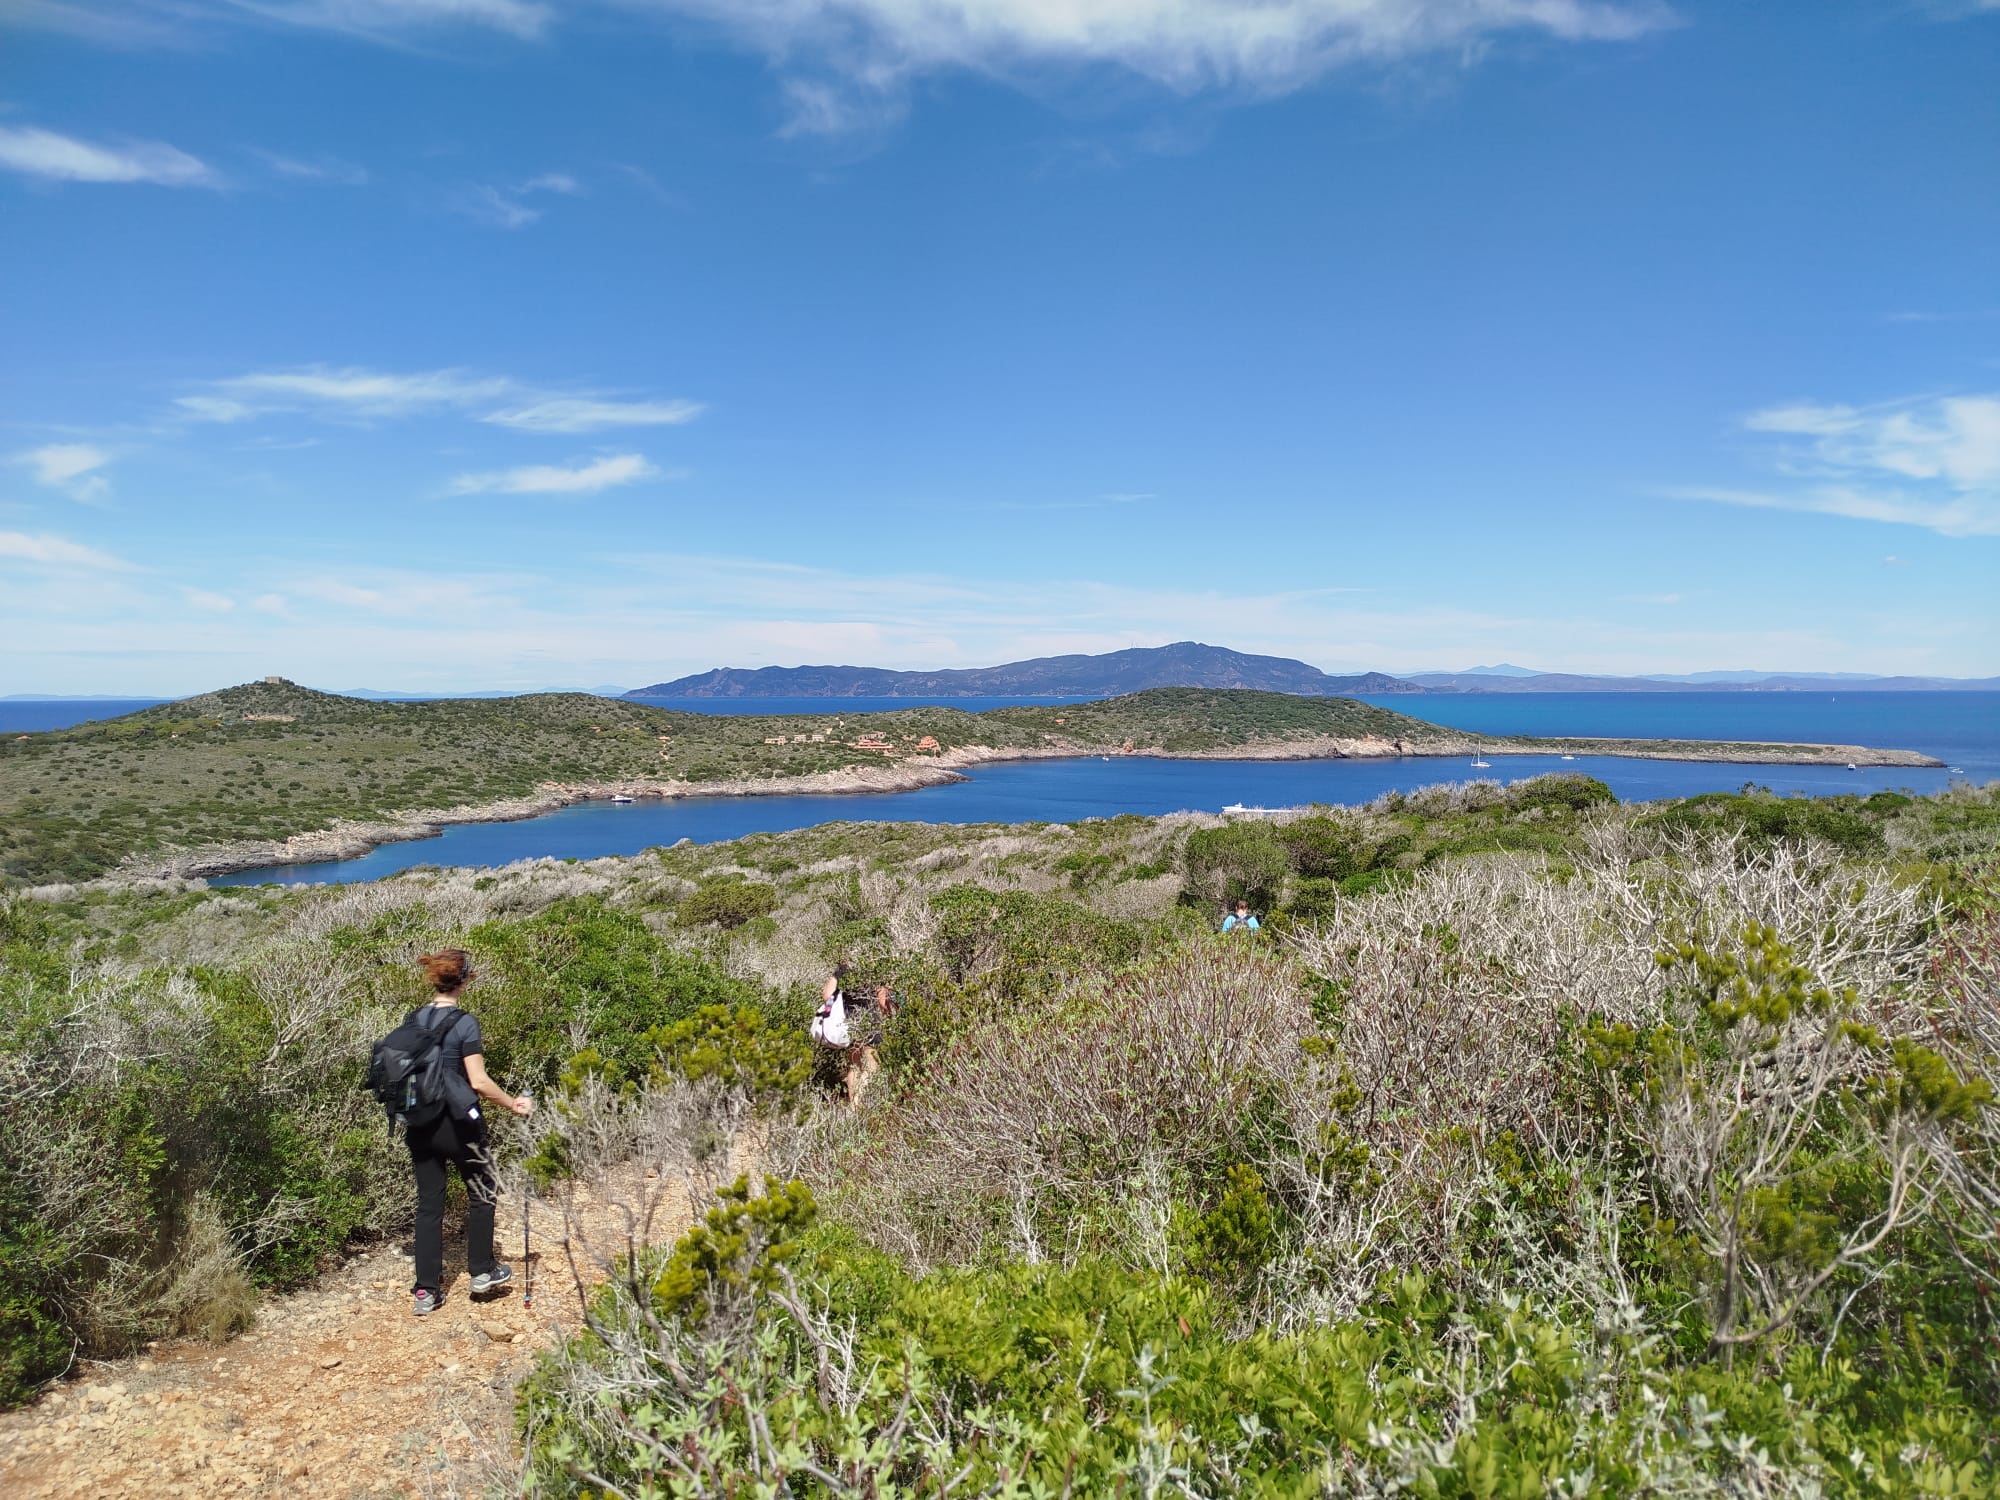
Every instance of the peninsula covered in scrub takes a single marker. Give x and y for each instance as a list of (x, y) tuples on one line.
[(271, 772)]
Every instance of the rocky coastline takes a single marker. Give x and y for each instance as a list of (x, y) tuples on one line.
[(351, 839)]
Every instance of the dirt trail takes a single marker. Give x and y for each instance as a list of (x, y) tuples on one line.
[(337, 1389)]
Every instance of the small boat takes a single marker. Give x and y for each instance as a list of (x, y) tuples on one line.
[(1482, 765), (1852, 766), (1953, 771), (621, 797), (1569, 757)]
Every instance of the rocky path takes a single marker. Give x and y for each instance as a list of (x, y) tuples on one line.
[(338, 1391)]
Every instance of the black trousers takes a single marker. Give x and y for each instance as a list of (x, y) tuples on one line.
[(459, 1143)]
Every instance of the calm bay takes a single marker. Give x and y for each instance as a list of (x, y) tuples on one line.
[(1961, 728)]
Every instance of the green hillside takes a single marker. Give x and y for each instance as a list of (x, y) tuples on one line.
[(271, 759)]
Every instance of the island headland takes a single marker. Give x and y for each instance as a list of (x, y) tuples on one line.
[(274, 773)]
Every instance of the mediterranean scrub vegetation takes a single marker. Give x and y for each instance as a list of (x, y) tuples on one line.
[(1537, 1145)]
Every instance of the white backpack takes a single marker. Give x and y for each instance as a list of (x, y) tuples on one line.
[(830, 1024)]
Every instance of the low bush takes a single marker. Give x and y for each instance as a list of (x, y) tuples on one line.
[(726, 901), (581, 971), (1241, 861), (767, 1347)]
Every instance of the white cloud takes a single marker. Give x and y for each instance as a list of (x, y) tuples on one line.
[(547, 479), (519, 18), (321, 169), (43, 153), (213, 603), (1948, 517), (502, 208), (579, 414), (69, 467), (1929, 461), (215, 408), (848, 60), (58, 552), (490, 206), (1955, 439), (352, 393)]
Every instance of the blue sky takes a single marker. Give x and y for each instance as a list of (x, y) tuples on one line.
[(433, 344)]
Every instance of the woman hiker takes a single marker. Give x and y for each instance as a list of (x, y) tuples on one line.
[(853, 1030), (457, 1137)]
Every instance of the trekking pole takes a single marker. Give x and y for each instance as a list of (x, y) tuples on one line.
[(527, 1199)]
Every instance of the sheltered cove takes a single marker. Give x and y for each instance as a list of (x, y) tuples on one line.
[(351, 839)]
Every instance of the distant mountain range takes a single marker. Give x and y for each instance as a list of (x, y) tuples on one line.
[(1192, 664), (1183, 664)]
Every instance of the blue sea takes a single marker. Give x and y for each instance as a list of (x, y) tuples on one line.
[(1962, 729), (17, 717)]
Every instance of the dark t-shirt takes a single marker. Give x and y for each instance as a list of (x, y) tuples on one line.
[(463, 1040)]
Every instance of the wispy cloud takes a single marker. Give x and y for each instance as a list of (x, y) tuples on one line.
[(849, 62), (206, 600), (383, 18), (548, 479), (505, 207), (69, 467), (64, 158), (59, 552), (329, 169), (569, 414), (1927, 461), (355, 394), (349, 392)]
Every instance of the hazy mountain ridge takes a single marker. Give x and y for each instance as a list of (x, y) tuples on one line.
[(1193, 664), (1183, 664)]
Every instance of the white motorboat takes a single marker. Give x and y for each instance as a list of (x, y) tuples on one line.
[(1569, 757), (621, 797)]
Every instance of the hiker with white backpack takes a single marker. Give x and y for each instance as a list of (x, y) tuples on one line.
[(854, 1029)]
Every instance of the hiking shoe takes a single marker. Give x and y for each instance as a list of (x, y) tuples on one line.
[(424, 1302), (486, 1281)]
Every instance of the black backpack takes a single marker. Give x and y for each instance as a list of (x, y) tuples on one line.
[(407, 1072)]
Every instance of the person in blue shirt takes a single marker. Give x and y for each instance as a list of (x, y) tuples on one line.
[(1240, 918)]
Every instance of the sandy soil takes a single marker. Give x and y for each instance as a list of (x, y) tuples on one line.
[(338, 1391)]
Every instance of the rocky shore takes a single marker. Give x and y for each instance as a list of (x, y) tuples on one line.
[(349, 840)]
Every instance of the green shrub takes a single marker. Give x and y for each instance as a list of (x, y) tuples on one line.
[(1323, 848), (1562, 791), (726, 901), (585, 963), (1236, 862), (736, 1047), (1762, 818), (1090, 1379), (1022, 946)]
